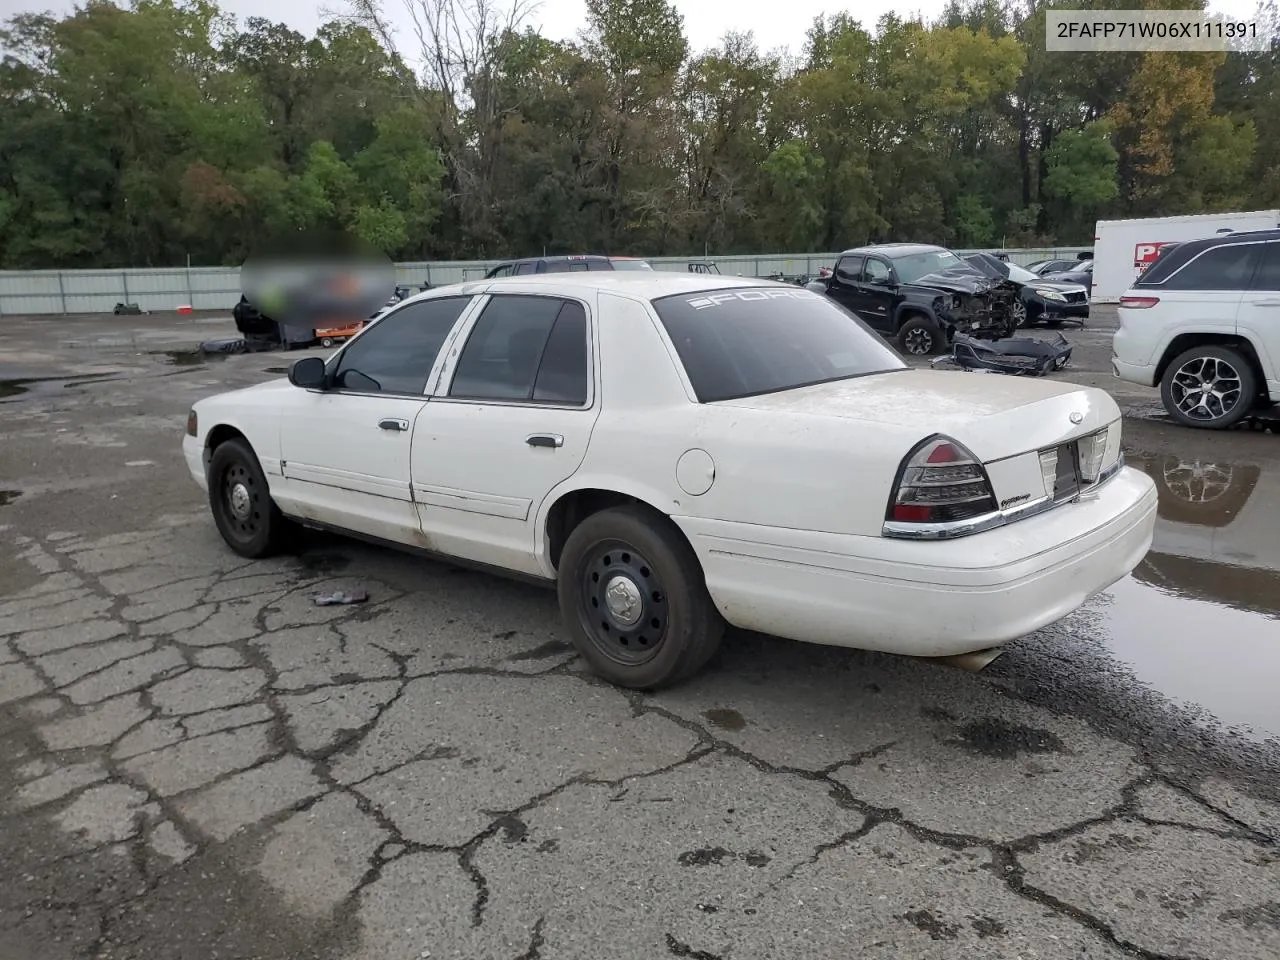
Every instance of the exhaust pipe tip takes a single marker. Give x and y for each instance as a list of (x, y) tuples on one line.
[(973, 662)]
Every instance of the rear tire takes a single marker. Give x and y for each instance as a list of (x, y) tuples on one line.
[(920, 337), (634, 599), (243, 511), (1209, 387)]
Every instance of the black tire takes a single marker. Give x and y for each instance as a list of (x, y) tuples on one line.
[(326, 342), (1230, 405), (920, 336), (640, 554), (253, 527)]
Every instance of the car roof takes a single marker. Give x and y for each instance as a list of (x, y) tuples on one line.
[(556, 257), (1235, 236), (638, 284), (1189, 248), (892, 250)]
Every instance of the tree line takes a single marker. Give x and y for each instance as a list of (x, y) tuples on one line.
[(167, 131)]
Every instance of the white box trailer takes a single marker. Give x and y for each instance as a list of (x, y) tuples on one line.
[(1122, 249)]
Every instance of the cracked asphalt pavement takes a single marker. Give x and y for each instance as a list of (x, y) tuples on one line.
[(198, 762)]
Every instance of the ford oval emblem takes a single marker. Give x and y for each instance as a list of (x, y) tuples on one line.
[(1077, 417)]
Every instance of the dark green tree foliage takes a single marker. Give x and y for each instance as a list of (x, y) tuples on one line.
[(147, 134)]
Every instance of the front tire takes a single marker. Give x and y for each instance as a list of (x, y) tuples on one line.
[(1209, 387), (634, 599), (920, 337), (243, 511)]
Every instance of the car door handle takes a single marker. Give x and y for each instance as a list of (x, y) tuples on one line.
[(544, 440), (393, 423)]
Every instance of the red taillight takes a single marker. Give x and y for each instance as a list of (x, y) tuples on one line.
[(945, 452), (1139, 303), (940, 482)]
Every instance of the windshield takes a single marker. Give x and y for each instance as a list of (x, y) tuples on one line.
[(745, 341), (631, 265), (911, 268)]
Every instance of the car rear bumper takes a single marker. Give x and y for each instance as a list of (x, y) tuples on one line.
[(927, 598), (1143, 373)]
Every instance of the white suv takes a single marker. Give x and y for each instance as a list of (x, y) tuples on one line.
[(1203, 324)]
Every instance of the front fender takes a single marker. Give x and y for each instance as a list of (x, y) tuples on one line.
[(910, 308)]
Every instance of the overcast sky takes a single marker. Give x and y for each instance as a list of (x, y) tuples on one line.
[(775, 24)]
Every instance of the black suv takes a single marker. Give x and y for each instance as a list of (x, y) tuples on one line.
[(565, 264), (916, 294)]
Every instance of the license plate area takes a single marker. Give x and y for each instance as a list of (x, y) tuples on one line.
[(1060, 467)]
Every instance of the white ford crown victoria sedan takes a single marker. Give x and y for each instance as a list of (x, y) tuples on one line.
[(679, 452)]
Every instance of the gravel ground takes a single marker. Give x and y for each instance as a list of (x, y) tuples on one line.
[(199, 763)]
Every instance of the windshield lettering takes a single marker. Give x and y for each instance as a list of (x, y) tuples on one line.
[(719, 299)]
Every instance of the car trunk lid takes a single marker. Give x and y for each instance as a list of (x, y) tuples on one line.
[(1035, 438)]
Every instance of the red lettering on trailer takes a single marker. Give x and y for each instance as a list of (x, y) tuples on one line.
[(1144, 254)]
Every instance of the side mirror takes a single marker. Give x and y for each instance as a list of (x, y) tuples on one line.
[(308, 373)]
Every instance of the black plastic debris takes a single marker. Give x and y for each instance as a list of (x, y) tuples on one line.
[(340, 598), (1017, 356)]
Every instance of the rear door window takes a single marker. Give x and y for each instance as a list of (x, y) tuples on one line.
[(525, 348), (849, 269)]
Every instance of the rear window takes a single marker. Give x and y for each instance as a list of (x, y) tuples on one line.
[(745, 341), (1166, 261), (1228, 267)]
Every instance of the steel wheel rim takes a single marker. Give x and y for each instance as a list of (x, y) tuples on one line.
[(622, 603), (1206, 389), (241, 500), (918, 341)]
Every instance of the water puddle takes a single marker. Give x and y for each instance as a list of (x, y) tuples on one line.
[(725, 719), (1199, 619), (186, 358), (17, 387)]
